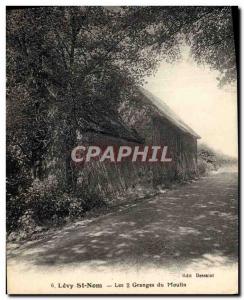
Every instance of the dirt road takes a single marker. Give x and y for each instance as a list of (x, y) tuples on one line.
[(196, 222)]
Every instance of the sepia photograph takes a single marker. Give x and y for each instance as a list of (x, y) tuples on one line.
[(122, 154)]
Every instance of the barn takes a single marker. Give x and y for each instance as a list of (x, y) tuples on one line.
[(144, 120), (153, 120)]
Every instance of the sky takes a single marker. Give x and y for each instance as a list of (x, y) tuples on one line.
[(192, 92)]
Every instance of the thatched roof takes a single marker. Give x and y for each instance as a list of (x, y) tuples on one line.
[(167, 113)]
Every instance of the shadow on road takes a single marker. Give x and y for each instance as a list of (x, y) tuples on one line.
[(196, 223)]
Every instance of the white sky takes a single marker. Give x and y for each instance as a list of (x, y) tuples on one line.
[(192, 92)]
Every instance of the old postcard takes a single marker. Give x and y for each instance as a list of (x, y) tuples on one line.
[(122, 150)]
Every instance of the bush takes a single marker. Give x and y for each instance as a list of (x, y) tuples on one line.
[(45, 204), (205, 167), (15, 208)]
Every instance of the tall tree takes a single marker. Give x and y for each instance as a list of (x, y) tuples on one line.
[(68, 68)]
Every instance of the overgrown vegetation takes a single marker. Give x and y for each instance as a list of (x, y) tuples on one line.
[(68, 68), (210, 160)]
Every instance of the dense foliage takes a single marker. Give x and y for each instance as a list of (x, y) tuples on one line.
[(68, 69), (211, 160)]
